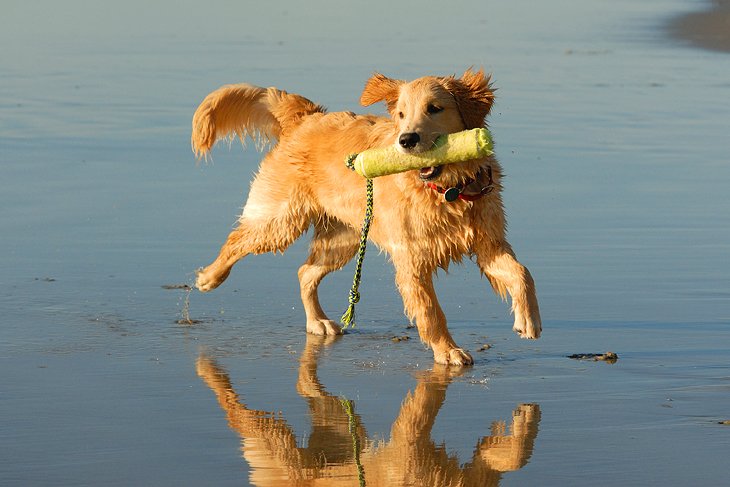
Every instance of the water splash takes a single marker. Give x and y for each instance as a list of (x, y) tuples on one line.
[(185, 318)]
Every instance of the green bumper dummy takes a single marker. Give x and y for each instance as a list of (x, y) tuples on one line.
[(449, 148)]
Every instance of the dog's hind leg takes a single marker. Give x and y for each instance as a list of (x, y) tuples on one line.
[(333, 245), (238, 245), (275, 215), (498, 262)]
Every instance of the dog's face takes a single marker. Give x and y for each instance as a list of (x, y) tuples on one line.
[(424, 110), (428, 107)]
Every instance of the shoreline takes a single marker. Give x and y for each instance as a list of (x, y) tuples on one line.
[(707, 29)]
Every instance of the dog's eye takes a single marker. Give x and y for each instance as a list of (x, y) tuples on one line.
[(400, 115), (431, 108)]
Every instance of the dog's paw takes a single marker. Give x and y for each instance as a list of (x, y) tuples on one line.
[(323, 327), (527, 327), (453, 356), (208, 279)]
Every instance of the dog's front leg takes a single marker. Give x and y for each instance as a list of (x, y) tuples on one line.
[(421, 304), (497, 261)]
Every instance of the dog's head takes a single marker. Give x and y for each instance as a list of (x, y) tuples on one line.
[(431, 106)]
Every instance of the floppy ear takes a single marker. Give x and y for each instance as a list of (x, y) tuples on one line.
[(474, 96), (381, 88)]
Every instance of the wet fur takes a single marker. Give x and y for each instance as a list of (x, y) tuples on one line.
[(303, 182)]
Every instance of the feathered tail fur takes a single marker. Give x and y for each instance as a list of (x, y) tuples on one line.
[(246, 110)]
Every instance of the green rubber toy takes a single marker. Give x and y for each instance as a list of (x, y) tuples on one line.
[(458, 147)]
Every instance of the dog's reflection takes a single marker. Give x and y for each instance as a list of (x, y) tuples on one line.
[(338, 451)]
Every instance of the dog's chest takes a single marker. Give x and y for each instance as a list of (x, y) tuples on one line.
[(436, 234)]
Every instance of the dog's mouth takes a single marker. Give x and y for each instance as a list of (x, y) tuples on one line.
[(429, 173)]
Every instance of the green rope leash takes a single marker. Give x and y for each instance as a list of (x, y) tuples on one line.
[(348, 318), (352, 426)]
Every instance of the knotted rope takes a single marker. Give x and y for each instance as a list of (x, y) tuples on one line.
[(348, 318)]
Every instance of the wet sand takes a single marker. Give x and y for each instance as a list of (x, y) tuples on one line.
[(708, 29), (115, 372)]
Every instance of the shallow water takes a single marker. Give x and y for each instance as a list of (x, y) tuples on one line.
[(613, 136)]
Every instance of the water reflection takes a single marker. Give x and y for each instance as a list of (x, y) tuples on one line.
[(339, 452)]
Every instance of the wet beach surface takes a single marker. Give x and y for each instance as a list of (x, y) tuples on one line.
[(708, 28), (612, 130)]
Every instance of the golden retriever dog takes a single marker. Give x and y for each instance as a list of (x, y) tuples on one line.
[(303, 182), (338, 451)]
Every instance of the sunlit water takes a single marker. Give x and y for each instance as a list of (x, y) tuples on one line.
[(614, 140)]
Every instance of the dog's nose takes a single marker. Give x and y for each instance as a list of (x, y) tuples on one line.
[(409, 140)]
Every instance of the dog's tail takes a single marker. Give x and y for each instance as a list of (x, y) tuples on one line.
[(246, 110)]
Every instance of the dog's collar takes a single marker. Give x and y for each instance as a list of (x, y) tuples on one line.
[(463, 191)]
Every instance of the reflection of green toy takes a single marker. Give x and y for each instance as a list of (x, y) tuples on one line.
[(449, 148)]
